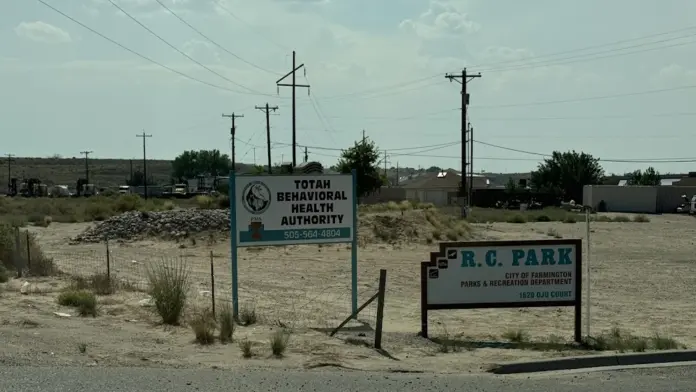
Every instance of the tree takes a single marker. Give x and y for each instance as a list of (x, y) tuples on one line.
[(433, 169), (565, 174), (203, 162), (648, 177), (362, 157)]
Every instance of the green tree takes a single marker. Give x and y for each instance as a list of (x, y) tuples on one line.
[(565, 174), (203, 162), (362, 157), (648, 177), (433, 169)]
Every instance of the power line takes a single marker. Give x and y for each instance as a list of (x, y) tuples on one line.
[(597, 97), (142, 56), (553, 54), (591, 56), (213, 41), (221, 76)]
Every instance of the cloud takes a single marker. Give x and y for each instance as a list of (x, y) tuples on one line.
[(676, 75), (441, 20), (42, 32)]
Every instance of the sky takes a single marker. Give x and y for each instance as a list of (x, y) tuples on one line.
[(616, 79)]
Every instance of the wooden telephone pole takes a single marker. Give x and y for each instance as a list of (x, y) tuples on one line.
[(267, 109), (144, 136), (294, 117), (463, 79), (233, 136)]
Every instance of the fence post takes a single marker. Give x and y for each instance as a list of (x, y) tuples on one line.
[(380, 307), (28, 252), (18, 253), (108, 259), (212, 281)]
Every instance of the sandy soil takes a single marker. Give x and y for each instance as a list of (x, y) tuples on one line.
[(643, 276)]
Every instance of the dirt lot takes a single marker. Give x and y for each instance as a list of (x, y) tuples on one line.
[(643, 276)]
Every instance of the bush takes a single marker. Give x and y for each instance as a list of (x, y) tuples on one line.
[(83, 300), (247, 316), (4, 274), (279, 342), (517, 218), (205, 202), (169, 282), (126, 203), (226, 322), (203, 325), (102, 284), (223, 202), (641, 219), (246, 347), (570, 219), (39, 264)]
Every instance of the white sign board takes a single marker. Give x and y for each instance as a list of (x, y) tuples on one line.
[(293, 209), (526, 273)]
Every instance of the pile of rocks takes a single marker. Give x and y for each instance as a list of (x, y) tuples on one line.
[(164, 224)]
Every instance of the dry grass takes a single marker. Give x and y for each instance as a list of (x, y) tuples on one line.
[(85, 301), (247, 348), (279, 342), (169, 283), (226, 322), (203, 324), (622, 341), (34, 260), (100, 284), (247, 315), (20, 211)]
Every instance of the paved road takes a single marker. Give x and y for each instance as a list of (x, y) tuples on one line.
[(56, 379)]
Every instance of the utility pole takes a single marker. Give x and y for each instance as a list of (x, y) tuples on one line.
[(471, 163), (144, 136), (364, 140), (306, 155), (294, 117), (233, 135), (463, 79), (267, 109), (86, 154), (385, 166), (397, 173), (9, 158)]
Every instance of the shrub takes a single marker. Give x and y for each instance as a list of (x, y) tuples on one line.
[(517, 218), (621, 219), (247, 316), (641, 219), (102, 284), (83, 300), (97, 211), (223, 202), (203, 325), (126, 203), (569, 219), (543, 218), (246, 347), (38, 265), (226, 322), (169, 282), (4, 274), (279, 342), (205, 202)]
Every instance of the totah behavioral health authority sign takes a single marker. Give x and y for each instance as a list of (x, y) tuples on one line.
[(503, 274), (294, 209)]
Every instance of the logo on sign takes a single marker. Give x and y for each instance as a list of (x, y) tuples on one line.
[(442, 263), (452, 254), (256, 197), (433, 273)]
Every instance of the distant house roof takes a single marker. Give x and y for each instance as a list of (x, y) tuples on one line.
[(439, 180), (663, 181)]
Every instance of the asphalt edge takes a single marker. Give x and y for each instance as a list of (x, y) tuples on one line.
[(594, 361)]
